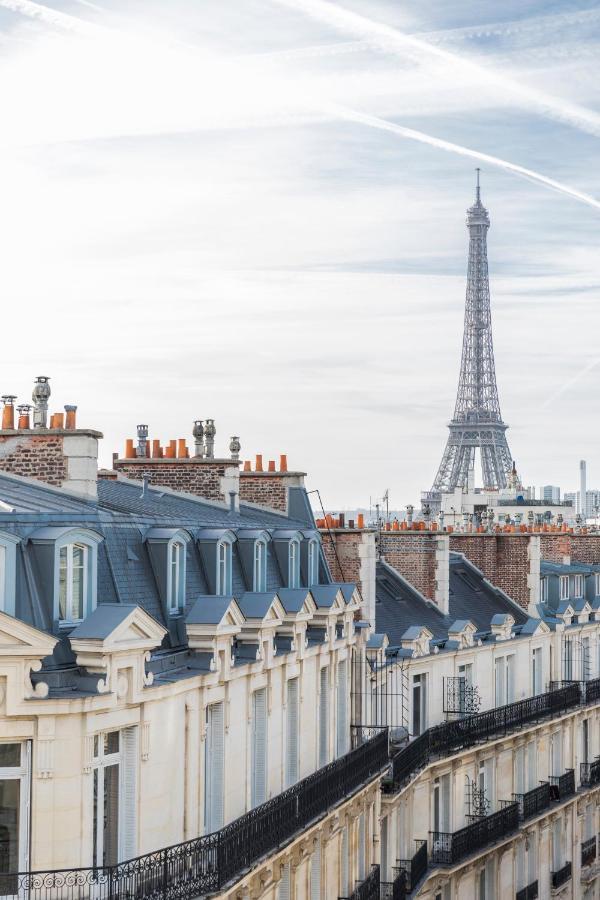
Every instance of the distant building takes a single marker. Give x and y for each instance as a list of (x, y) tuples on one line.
[(592, 503), (550, 492)]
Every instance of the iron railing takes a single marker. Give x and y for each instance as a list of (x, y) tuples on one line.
[(416, 867), (534, 801), (528, 893), (588, 851), (368, 889), (589, 773), (397, 889), (203, 865), (561, 876), (450, 848), (441, 740), (562, 786)]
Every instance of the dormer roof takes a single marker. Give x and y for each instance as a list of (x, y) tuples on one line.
[(265, 607), (118, 627)]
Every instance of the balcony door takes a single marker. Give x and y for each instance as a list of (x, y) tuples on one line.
[(419, 704), (14, 814), (114, 797), (441, 804)]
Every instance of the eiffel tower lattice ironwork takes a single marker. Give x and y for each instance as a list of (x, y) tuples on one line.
[(477, 422)]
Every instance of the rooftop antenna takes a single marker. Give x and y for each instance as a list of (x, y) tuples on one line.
[(386, 500), (478, 190)]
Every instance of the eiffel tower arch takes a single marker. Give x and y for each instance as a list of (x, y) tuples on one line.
[(477, 423)]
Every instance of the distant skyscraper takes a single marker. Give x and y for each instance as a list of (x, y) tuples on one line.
[(477, 422), (550, 493)]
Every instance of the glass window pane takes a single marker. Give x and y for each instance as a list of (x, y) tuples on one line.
[(111, 742), (111, 816), (10, 755), (77, 594), (62, 586), (10, 790)]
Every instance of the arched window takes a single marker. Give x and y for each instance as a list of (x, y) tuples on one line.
[(224, 568), (294, 564), (176, 577), (72, 582), (260, 565), (313, 563)]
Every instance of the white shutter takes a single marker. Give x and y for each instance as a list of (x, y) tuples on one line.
[(510, 679), (531, 765), (519, 758), (342, 710), (345, 886), (499, 679), (128, 800), (445, 817), (283, 891), (291, 753), (259, 747), (324, 717), (315, 873), (214, 768), (384, 848), (361, 848)]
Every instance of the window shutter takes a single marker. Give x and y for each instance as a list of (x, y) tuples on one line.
[(510, 679), (531, 765), (283, 892), (324, 717), (291, 755), (445, 803), (361, 848), (315, 873), (214, 768), (345, 887), (342, 709), (128, 773), (499, 672), (259, 747), (520, 770), (384, 848)]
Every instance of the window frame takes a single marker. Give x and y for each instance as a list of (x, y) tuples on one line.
[(294, 563), (176, 556), (8, 569), (224, 590), (259, 566), (68, 549), (544, 589), (89, 540), (312, 570), (577, 587), (563, 581)]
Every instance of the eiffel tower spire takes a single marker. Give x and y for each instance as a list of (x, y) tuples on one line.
[(477, 422)]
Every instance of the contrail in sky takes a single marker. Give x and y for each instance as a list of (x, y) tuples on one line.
[(51, 17), (410, 133), (391, 38), (569, 384)]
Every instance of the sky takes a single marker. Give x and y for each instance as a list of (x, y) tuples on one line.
[(254, 211)]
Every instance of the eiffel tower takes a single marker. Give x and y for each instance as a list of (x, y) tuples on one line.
[(477, 422)]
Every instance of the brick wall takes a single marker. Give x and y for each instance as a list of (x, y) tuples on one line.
[(34, 456), (584, 548), (413, 555), (503, 559), (193, 476), (357, 558), (264, 489)]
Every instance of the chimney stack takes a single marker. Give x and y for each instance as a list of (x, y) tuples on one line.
[(235, 447), (198, 433), (40, 396), (142, 434), (71, 417), (24, 409)]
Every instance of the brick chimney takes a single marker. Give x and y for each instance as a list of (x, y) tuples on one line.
[(58, 454), (171, 466), (268, 487)]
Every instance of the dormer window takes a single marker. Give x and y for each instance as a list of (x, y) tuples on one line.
[(223, 568), (597, 583), (564, 587), (578, 586), (313, 563), (294, 564), (544, 590), (8, 546), (260, 566), (72, 582), (176, 577)]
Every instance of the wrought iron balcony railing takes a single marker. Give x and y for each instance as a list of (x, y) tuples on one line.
[(369, 889), (204, 865), (397, 889), (528, 893), (534, 801), (450, 848), (588, 851), (561, 876), (416, 867), (441, 740), (562, 786), (589, 773)]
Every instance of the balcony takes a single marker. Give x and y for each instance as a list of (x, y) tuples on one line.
[(588, 852), (416, 867), (397, 889), (449, 737), (561, 876), (369, 889), (528, 893), (534, 801), (589, 773), (207, 863), (562, 786), (451, 848)]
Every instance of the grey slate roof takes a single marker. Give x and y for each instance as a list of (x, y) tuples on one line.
[(398, 605), (103, 621), (292, 599), (256, 605), (208, 610)]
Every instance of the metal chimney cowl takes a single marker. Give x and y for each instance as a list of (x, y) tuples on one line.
[(40, 396)]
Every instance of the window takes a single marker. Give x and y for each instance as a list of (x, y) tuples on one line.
[(214, 768), (260, 565), (578, 586), (294, 564), (544, 590), (342, 709), (315, 872), (14, 807), (500, 681), (176, 588), (72, 582), (441, 804), (586, 659), (313, 563), (259, 747), (536, 671), (292, 732), (568, 659), (564, 587), (114, 796), (597, 583), (419, 703), (324, 716), (224, 568)]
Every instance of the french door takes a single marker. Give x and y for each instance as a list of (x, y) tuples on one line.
[(14, 814)]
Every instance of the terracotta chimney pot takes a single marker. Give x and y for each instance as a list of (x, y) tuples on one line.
[(361, 520), (70, 417), (283, 463), (59, 420), (247, 466), (181, 448), (155, 448), (129, 448), (272, 465), (259, 466)]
